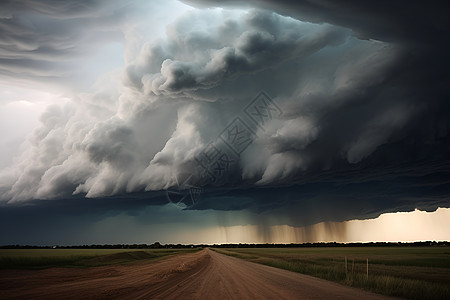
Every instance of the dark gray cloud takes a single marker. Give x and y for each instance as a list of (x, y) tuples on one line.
[(46, 41), (328, 196), (373, 106), (347, 194), (363, 89), (384, 20), (68, 44)]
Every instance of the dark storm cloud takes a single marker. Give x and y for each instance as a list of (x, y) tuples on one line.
[(364, 128), (383, 20), (72, 220), (343, 195), (388, 123), (327, 197)]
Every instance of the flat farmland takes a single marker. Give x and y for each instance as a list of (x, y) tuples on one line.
[(203, 274), (47, 258), (259, 273), (406, 272)]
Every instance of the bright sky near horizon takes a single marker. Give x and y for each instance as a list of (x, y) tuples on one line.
[(391, 227)]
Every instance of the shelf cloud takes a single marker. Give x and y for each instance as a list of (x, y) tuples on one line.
[(298, 111)]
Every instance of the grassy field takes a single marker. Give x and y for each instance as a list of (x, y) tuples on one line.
[(406, 272), (47, 258)]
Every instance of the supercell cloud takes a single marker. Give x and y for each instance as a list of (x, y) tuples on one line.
[(359, 96)]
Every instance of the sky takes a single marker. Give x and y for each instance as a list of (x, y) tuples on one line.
[(203, 121)]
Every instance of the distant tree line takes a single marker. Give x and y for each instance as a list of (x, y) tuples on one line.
[(155, 245), (158, 245), (334, 244)]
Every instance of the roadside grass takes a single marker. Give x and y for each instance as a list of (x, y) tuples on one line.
[(406, 272), (79, 258)]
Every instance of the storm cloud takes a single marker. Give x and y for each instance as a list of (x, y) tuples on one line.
[(361, 91)]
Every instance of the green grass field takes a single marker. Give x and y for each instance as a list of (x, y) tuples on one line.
[(406, 272), (47, 258)]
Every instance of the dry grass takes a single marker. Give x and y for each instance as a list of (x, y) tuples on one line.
[(407, 272), (47, 258)]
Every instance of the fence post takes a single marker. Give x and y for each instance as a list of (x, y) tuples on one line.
[(345, 266), (367, 269)]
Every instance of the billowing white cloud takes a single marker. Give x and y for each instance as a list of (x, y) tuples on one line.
[(179, 90), (205, 48)]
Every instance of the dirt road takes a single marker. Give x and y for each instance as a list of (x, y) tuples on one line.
[(200, 275)]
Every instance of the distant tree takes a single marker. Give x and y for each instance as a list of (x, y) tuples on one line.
[(156, 245)]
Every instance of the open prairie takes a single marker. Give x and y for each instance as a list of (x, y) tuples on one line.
[(201, 274), (407, 272), (46, 258)]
